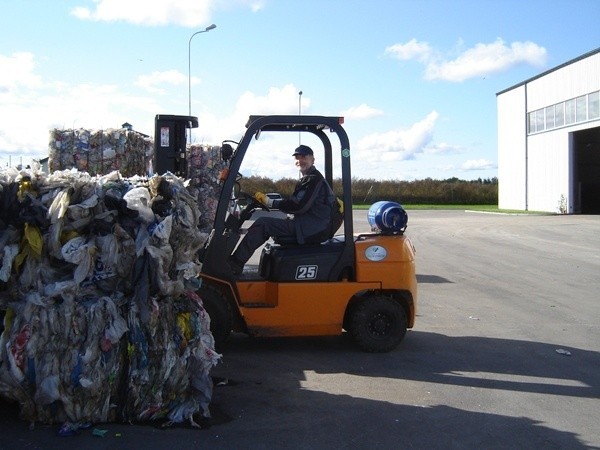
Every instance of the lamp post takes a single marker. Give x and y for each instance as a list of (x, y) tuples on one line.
[(299, 113), (208, 28)]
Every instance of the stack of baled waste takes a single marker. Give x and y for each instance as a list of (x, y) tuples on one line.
[(204, 168), (98, 281), (99, 152)]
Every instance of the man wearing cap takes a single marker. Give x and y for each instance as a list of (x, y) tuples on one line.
[(310, 205)]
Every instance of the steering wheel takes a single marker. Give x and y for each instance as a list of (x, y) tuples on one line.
[(252, 202), (248, 206), (251, 205)]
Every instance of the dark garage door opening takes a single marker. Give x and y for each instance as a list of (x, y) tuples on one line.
[(586, 151)]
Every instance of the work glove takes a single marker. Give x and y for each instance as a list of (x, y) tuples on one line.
[(261, 197)]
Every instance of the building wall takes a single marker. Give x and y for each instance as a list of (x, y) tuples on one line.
[(512, 135), (534, 171), (548, 177), (551, 172), (579, 78)]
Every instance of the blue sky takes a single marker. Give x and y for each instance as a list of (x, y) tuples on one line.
[(415, 80)]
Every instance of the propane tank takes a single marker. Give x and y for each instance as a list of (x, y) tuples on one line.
[(387, 217)]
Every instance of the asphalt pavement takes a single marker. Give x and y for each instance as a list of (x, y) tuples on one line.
[(504, 354)]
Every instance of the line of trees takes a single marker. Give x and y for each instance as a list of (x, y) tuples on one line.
[(451, 191)]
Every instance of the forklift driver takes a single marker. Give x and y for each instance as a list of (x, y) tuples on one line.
[(310, 205)]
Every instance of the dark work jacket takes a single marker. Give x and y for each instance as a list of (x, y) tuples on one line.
[(311, 206)]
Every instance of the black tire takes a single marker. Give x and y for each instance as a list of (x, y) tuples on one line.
[(221, 318), (377, 324)]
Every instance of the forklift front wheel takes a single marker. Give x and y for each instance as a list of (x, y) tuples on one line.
[(219, 311), (377, 324)]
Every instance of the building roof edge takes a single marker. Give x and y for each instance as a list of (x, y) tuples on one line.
[(529, 80)]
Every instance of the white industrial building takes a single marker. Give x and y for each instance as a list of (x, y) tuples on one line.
[(549, 140)]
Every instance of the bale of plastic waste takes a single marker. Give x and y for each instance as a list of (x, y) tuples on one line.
[(100, 151), (204, 168), (98, 280)]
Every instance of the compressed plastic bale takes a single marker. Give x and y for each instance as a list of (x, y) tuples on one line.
[(203, 358), (204, 167), (64, 372), (100, 151), (168, 390), (160, 253), (186, 237), (70, 338)]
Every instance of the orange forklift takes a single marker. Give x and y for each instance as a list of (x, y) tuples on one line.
[(363, 284)]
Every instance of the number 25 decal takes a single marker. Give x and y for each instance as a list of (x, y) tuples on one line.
[(306, 272)]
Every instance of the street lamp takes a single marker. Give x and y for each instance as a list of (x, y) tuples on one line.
[(208, 28), (299, 113)]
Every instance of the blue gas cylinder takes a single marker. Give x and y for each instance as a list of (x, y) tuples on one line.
[(388, 217)]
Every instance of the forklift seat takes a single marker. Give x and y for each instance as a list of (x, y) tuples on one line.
[(292, 241), (281, 262)]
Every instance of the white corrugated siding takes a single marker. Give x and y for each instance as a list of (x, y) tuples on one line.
[(548, 176), (512, 133), (579, 78), (549, 169)]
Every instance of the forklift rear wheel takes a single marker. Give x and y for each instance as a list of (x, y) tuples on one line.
[(377, 324), (219, 311)]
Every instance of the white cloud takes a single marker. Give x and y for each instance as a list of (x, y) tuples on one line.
[(360, 112), (26, 128), (270, 156), (413, 49), (170, 77), (478, 164), (256, 5), (399, 144), (31, 106), (442, 148), (447, 168), (92, 106), (482, 59), (17, 71), (187, 13), (277, 101), (282, 100)]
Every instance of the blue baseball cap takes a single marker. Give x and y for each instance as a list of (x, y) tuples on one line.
[(303, 150)]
